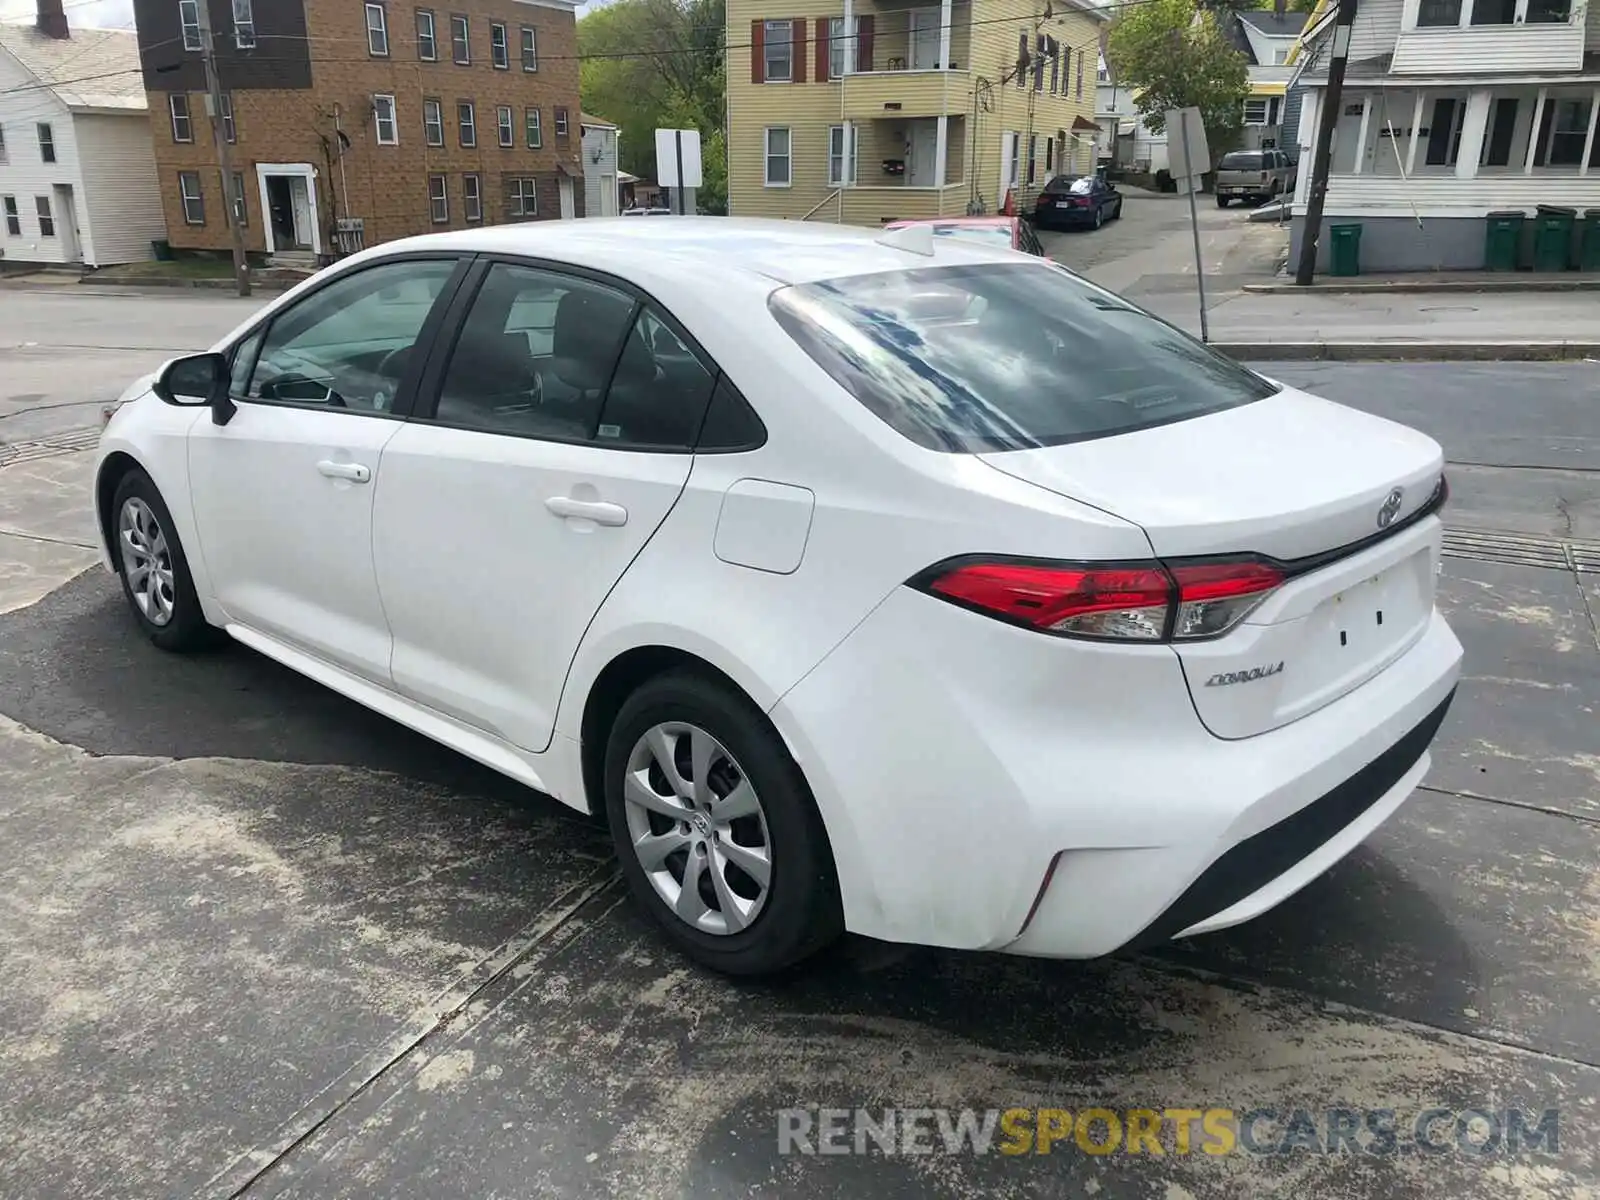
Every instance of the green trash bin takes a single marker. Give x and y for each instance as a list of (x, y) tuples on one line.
[(1501, 238), (1589, 246), (1344, 253), (1552, 238), (162, 249)]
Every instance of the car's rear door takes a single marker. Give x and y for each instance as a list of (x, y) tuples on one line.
[(549, 443)]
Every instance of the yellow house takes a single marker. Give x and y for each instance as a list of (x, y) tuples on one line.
[(921, 110)]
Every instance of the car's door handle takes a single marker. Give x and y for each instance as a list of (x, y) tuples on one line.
[(354, 472), (598, 511)]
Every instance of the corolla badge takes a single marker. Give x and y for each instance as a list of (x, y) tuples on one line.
[(1224, 678), (1391, 508)]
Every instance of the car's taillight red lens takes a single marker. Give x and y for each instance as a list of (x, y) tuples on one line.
[(1134, 602), (1121, 602), (1214, 597)]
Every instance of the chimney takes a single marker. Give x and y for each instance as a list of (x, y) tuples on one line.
[(53, 20)]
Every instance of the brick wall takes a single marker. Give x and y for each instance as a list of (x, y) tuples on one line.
[(330, 125)]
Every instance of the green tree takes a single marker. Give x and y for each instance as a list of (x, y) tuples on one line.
[(1177, 56), (658, 64)]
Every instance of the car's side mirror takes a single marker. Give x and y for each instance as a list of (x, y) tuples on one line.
[(198, 380)]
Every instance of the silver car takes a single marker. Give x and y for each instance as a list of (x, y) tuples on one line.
[(1253, 175)]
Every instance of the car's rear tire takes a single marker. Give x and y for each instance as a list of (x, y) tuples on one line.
[(1099, 216), (154, 569), (1222, 202), (1116, 213), (752, 815)]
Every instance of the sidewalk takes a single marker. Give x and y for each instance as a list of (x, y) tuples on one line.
[(1387, 325)]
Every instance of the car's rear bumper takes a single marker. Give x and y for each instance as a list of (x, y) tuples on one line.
[(986, 787)]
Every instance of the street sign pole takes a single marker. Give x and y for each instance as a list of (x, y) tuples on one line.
[(677, 141), (1191, 159), (1194, 228)]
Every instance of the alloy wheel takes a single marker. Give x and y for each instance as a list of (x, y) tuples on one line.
[(146, 561), (697, 828)]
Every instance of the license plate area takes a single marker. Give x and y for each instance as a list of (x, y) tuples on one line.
[(1063, 203)]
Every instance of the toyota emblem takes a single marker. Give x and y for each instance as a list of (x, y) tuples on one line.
[(1391, 508)]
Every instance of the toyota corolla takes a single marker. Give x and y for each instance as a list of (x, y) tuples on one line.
[(858, 580)]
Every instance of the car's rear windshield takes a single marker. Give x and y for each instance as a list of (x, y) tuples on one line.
[(989, 235), (1071, 183), (1240, 160), (1000, 356)]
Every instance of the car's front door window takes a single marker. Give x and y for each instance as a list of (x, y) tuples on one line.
[(348, 345)]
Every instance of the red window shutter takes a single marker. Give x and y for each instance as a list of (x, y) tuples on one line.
[(758, 53), (824, 49), (863, 43), (799, 50)]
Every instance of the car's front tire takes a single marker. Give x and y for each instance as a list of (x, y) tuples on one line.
[(1222, 201), (153, 568), (718, 836)]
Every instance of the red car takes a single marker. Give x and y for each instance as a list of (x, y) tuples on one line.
[(1001, 231)]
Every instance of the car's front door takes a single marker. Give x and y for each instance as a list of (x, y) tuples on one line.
[(559, 441), (283, 492)]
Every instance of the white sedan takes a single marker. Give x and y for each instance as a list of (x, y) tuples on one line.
[(861, 581)]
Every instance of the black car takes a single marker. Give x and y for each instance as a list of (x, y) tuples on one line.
[(1071, 201)]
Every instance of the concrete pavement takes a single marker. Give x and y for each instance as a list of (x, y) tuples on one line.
[(260, 942)]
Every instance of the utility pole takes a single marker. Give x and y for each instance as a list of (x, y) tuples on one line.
[(219, 135), (1322, 152)]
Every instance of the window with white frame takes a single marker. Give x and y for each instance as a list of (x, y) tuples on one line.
[(2, 143), (244, 24), (230, 131), (841, 164), (47, 141), (1549, 12), (233, 203), (1078, 90), (1280, 55), (779, 157), (561, 122), (523, 195), (467, 121), (433, 122), (530, 49), (383, 119), (13, 217), (460, 40), (1438, 13), (499, 47), (839, 45), (1255, 110), (182, 123), (194, 204), (47, 222), (1033, 157), (1568, 122), (427, 36), (438, 199), (189, 22), (534, 129), (472, 197), (777, 51), (377, 31), (505, 120)]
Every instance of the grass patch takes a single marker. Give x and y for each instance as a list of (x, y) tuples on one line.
[(182, 268)]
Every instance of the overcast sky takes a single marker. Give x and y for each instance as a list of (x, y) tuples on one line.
[(96, 14)]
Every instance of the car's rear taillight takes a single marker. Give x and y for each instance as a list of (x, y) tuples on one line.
[(1214, 597), (1123, 602)]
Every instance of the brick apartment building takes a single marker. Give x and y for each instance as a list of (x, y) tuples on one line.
[(354, 123)]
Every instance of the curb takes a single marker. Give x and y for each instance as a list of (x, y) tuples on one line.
[(1529, 351), (1549, 283), (259, 285)]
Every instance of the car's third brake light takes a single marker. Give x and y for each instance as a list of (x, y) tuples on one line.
[(1125, 602), (1122, 603), (1214, 597)]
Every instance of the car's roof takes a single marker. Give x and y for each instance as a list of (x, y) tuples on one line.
[(700, 247)]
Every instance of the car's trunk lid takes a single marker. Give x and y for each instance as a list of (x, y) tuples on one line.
[(1295, 479)]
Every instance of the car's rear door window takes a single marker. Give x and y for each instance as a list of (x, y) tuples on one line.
[(1002, 356)]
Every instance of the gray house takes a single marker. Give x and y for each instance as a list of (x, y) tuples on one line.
[(599, 167)]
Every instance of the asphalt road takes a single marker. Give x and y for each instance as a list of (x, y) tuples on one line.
[(259, 941)]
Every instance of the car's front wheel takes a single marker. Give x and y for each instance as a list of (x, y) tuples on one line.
[(718, 836), (154, 571)]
